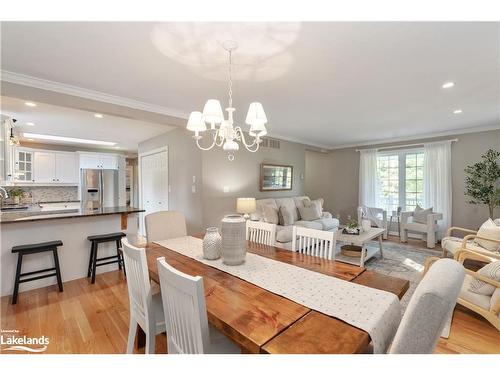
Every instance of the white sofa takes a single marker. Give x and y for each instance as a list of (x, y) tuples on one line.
[(284, 233)]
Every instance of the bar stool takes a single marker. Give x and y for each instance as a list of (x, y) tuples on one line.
[(23, 250), (94, 244)]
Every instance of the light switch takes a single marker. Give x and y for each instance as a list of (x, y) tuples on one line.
[(194, 179), (193, 189), (169, 189)]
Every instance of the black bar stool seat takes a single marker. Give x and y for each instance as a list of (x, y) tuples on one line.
[(27, 249), (94, 245)]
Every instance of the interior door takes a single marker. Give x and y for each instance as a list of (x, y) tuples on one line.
[(44, 167), (154, 183), (66, 168)]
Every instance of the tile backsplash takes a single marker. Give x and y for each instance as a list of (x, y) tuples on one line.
[(49, 194)]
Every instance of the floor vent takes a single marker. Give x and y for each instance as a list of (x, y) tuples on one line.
[(270, 143)]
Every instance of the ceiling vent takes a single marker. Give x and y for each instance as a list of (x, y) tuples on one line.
[(270, 143)]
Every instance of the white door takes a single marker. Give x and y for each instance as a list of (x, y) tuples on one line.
[(154, 183), (109, 161), (90, 161), (44, 167), (67, 168)]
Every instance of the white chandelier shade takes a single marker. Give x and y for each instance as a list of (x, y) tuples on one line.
[(222, 132)]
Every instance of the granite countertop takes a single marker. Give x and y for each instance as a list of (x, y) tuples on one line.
[(34, 215)]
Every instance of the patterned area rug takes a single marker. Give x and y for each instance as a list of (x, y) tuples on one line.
[(403, 261)]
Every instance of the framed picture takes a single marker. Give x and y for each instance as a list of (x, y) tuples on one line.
[(275, 177)]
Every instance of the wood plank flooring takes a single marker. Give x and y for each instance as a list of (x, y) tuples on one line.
[(88, 318)]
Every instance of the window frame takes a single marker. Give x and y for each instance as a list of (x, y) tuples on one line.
[(401, 153)]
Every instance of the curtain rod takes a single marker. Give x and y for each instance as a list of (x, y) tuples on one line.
[(409, 145)]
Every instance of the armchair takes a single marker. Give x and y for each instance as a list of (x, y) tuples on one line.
[(486, 306), (377, 216), (428, 229), (452, 245)]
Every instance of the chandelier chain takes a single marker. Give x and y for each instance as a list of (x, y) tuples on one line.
[(230, 80)]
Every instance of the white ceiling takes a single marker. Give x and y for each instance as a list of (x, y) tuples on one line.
[(325, 84), (69, 122)]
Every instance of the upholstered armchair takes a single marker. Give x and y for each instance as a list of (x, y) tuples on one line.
[(377, 216), (452, 245), (485, 305), (428, 230)]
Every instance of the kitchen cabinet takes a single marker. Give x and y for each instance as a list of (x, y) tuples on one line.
[(23, 165), (98, 161), (55, 167)]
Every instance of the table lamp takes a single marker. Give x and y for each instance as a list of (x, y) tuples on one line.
[(245, 206)]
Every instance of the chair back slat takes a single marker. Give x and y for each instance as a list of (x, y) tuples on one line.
[(314, 242), (261, 232), (163, 225), (185, 311), (139, 287)]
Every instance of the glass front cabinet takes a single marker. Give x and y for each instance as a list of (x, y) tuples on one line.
[(23, 165)]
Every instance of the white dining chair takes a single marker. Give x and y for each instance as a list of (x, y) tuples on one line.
[(163, 225), (188, 331), (314, 242), (146, 309), (261, 232)]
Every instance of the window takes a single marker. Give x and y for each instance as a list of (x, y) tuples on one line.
[(400, 175)]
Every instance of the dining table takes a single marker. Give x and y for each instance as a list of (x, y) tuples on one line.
[(260, 321)]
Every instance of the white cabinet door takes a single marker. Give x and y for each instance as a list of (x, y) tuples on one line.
[(109, 161), (90, 161), (44, 167), (67, 168)]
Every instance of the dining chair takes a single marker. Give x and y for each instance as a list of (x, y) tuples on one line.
[(163, 225), (146, 309), (188, 331), (314, 242), (261, 232), (430, 307)]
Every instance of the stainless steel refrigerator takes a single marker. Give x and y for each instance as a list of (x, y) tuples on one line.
[(99, 188)]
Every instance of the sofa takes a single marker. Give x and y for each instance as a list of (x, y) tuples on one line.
[(284, 232)]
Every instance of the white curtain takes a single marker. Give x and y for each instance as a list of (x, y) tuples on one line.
[(437, 180), (368, 181)]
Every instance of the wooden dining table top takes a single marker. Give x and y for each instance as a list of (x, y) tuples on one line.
[(260, 321)]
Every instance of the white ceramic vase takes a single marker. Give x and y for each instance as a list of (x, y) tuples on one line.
[(212, 244), (233, 240)]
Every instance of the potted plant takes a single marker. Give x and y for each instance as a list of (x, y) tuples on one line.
[(16, 193), (481, 181), (352, 227)]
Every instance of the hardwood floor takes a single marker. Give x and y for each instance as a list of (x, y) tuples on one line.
[(88, 318)]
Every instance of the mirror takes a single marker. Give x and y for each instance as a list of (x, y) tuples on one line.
[(275, 177)]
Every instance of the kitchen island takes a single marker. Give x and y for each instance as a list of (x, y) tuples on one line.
[(71, 227)]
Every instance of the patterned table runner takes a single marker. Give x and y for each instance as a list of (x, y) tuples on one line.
[(374, 311)]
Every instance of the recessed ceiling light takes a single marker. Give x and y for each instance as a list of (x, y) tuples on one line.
[(68, 139), (117, 147), (457, 111), (448, 85), (30, 104), (30, 139), (98, 115), (30, 124)]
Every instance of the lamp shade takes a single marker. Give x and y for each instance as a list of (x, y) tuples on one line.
[(256, 114), (195, 122), (212, 112), (258, 129), (245, 205)]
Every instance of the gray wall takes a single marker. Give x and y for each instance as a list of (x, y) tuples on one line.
[(184, 162), (341, 194), (214, 171), (319, 176)]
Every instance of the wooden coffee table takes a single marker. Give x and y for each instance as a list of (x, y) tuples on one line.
[(360, 240)]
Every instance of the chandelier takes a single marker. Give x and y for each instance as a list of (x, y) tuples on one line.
[(222, 132)]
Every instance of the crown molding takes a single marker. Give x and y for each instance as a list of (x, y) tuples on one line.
[(417, 137), (62, 88)]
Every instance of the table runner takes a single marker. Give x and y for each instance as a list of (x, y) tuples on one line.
[(374, 311)]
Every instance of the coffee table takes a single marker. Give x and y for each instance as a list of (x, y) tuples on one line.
[(360, 240)]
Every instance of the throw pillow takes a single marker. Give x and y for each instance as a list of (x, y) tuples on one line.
[(306, 202), (286, 215), (491, 271), (309, 213), (270, 214), (489, 230), (318, 203), (420, 215)]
